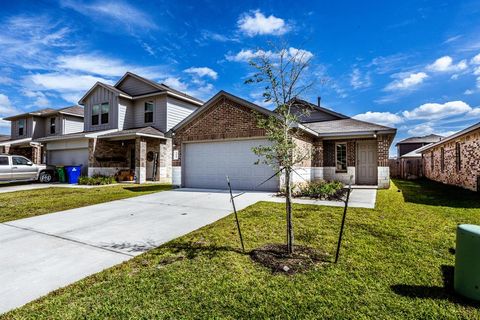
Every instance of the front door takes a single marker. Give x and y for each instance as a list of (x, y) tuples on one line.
[(367, 162)]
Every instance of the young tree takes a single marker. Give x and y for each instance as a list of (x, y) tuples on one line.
[(282, 73)]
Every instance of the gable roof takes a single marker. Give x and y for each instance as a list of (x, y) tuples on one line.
[(431, 138), (106, 86), (303, 103), (159, 86), (453, 136), (345, 127), (76, 111)]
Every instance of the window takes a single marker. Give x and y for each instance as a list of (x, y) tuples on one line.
[(52, 125), (442, 159), (148, 111), (20, 161), (432, 163), (95, 114), (341, 156), (458, 159), (100, 113), (3, 161), (21, 126), (105, 111)]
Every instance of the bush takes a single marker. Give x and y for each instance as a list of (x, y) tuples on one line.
[(96, 180), (319, 189)]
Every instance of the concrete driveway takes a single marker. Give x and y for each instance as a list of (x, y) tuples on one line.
[(41, 254)]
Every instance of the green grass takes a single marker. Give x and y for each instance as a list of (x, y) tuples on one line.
[(25, 204), (395, 263)]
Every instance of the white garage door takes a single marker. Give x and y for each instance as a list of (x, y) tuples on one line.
[(69, 157), (207, 164)]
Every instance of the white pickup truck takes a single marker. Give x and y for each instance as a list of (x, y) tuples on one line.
[(18, 168)]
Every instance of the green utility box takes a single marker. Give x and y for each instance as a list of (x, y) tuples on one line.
[(467, 261), (61, 174)]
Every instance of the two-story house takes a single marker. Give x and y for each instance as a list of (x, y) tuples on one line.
[(413, 143), (124, 129), (26, 128)]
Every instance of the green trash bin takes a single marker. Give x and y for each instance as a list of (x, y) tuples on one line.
[(467, 261), (61, 174)]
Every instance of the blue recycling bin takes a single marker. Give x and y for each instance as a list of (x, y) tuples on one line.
[(73, 173)]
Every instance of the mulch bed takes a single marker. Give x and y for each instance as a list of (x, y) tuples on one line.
[(276, 258)]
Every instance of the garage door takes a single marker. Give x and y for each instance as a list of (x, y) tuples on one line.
[(207, 164), (69, 157)]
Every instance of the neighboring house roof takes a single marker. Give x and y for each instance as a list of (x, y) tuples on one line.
[(140, 132), (413, 154), (160, 86), (431, 138), (4, 137), (76, 111), (15, 142), (345, 127), (453, 136), (76, 135)]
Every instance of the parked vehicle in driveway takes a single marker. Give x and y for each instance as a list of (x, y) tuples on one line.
[(19, 168)]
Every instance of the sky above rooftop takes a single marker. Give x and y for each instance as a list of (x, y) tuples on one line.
[(413, 65)]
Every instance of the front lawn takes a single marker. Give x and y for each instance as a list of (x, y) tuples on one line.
[(396, 262), (25, 204)]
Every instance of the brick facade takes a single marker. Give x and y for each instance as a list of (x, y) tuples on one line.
[(226, 119), (469, 173)]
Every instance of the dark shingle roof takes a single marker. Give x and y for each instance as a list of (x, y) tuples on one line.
[(431, 138), (344, 126), (150, 131)]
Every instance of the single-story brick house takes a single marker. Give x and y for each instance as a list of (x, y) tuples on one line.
[(217, 139), (455, 160)]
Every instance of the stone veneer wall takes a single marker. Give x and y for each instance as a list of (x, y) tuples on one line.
[(468, 176), (34, 153)]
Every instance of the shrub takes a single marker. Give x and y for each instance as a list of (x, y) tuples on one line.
[(96, 180), (320, 189)]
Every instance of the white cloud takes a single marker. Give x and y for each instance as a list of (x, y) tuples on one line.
[(406, 81), (202, 72), (430, 111), (41, 101), (93, 63), (256, 23), (476, 59), (421, 130), (468, 92), (175, 83), (475, 112), (245, 55), (358, 81), (119, 12), (445, 64), (385, 118), (6, 108)]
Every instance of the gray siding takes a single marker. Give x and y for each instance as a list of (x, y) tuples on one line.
[(72, 125), (135, 87), (58, 126), (125, 114), (100, 95), (177, 110), (159, 113), (28, 128)]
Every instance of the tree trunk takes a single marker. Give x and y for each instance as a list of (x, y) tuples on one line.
[(288, 207)]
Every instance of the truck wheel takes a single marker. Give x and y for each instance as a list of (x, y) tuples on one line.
[(45, 177)]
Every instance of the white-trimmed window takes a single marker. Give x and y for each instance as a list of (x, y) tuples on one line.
[(341, 156), (100, 113), (149, 111), (52, 125), (21, 127)]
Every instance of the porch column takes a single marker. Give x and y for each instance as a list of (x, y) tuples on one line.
[(36, 154), (92, 144), (140, 160), (383, 145), (318, 160)]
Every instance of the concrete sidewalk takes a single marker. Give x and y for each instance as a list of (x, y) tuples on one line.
[(43, 253), (24, 186)]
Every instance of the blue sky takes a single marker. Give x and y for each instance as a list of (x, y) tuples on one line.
[(414, 65)]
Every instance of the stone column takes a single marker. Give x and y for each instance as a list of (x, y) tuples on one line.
[(140, 160), (92, 144), (37, 154), (165, 161), (317, 160)]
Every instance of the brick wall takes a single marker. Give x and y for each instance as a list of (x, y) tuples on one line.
[(470, 161), (224, 120)]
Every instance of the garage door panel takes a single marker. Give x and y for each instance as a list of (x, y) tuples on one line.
[(207, 164), (69, 157)]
